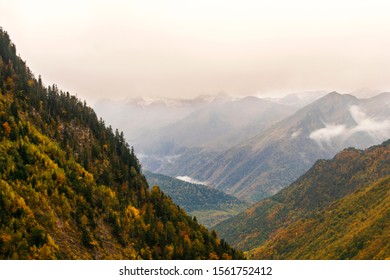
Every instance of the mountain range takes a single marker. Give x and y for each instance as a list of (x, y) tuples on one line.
[(252, 148), (217, 126), (263, 165)]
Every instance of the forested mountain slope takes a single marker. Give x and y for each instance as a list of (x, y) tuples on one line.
[(355, 227), (208, 205), (71, 188), (338, 209)]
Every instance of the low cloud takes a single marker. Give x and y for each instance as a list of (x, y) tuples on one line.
[(191, 180), (327, 133), (369, 125), (378, 129)]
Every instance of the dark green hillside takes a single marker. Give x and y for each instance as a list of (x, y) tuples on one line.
[(71, 188), (209, 205), (340, 196)]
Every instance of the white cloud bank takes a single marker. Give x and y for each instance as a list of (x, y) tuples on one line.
[(327, 133), (191, 180), (364, 123), (379, 130)]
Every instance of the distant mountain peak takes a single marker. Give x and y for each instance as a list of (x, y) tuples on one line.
[(147, 101), (333, 97), (299, 99)]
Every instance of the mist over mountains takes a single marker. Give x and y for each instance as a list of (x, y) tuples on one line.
[(276, 157), (252, 148)]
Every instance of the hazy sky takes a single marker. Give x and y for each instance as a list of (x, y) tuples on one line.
[(185, 48)]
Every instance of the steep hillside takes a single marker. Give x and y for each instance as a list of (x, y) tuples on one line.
[(208, 205), (71, 188), (275, 158), (293, 222), (354, 227)]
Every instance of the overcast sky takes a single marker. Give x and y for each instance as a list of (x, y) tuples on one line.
[(183, 48)]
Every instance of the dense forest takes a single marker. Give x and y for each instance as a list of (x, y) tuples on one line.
[(72, 188), (339, 209)]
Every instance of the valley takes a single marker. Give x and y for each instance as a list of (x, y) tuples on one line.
[(314, 172), (217, 177)]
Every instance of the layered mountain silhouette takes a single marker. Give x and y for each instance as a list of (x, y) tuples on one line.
[(277, 155), (217, 127)]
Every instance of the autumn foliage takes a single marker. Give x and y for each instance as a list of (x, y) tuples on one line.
[(72, 188)]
